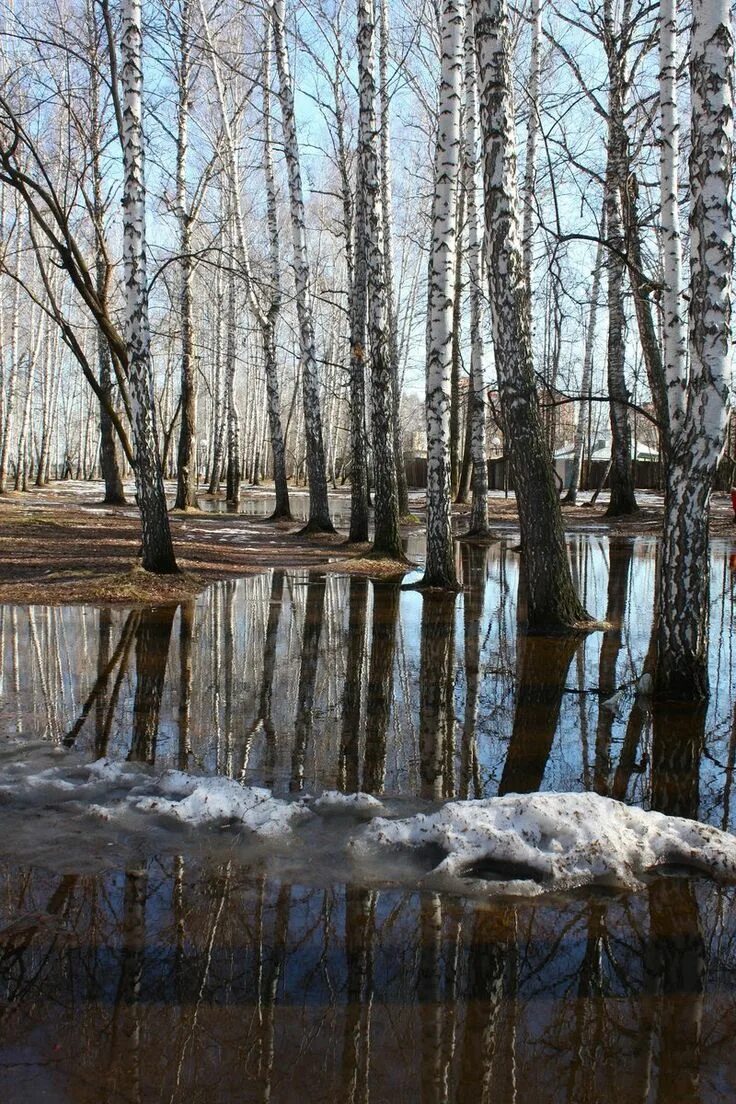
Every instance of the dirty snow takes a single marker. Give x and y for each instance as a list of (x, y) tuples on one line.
[(530, 843), (521, 844)]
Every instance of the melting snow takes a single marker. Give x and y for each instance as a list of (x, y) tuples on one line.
[(529, 843), (521, 844)]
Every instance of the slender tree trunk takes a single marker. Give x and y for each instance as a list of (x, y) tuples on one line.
[(440, 566), (218, 431), (319, 510), (476, 414), (674, 321), (186, 483), (623, 500), (109, 459), (358, 337), (532, 137), (682, 638), (457, 301), (387, 538), (10, 385), (552, 601), (282, 509), (233, 424), (388, 255), (158, 551), (583, 409)]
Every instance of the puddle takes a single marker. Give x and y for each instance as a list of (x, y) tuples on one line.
[(133, 968)]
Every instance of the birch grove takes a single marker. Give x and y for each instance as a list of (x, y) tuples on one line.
[(375, 259)]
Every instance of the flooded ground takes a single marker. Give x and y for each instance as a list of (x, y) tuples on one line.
[(172, 967)]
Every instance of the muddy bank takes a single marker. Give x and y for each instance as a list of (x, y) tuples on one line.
[(60, 544)]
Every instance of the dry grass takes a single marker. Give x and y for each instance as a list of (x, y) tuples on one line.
[(125, 588)]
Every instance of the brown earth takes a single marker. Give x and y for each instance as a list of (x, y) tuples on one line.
[(60, 545)]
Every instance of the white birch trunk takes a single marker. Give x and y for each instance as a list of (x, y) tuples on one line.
[(623, 498), (477, 410), (552, 603), (674, 323), (387, 538), (10, 384), (282, 509), (682, 637), (319, 511), (532, 137), (186, 486), (440, 566), (388, 252), (158, 552)]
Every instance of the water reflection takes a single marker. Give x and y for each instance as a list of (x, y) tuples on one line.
[(299, 682), (172, 981), (189, 978)]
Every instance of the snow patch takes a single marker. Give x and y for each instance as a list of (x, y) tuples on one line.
[(531, 843), (520, 844), (200, 800), (359, 804)]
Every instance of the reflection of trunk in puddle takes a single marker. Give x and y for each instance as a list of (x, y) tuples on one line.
[(269, 666), (311, 632), (474, 559), (228, 661), (637, 720), (544, 663), (359, 923), (588, 1068), (380, 684), (676, 954), (352, 693), (436, 687), (104, 641), (270, 976), (152, 640), (270, 973), (678, 741), (487, 1060), (186, 637), (124, 1072), (220, 894), (619, 570), (98, 696), (19, 975), (429, 995), (676, 967)]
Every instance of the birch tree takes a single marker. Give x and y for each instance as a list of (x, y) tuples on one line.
[(388, 251), (109, 463), (269, 317), (698, 435), (319, 511), (532, 138), (674, 320), (158, 552), (587, 375), (387, 538), (186, 485), (623, 499), (440, 563), (477, 412), (552, 602)]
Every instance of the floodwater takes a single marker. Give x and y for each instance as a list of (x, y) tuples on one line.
[(132, 970)]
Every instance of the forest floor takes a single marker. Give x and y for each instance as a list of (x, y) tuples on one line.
[(59, 544)]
